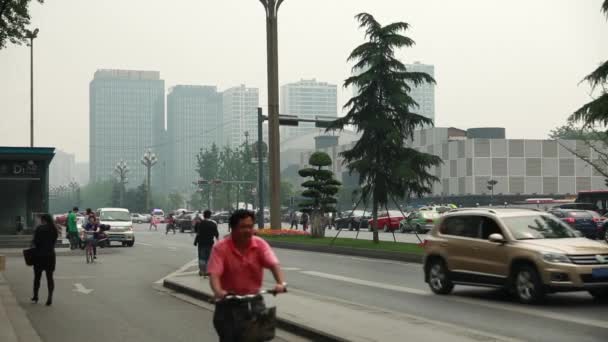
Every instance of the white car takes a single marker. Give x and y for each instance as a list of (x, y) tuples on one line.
[(138, 218), (121, 226)]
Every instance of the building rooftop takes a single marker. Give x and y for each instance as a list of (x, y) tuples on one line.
[(137, 75)]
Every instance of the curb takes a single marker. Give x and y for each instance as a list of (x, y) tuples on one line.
[(360, 252), (283, 324)]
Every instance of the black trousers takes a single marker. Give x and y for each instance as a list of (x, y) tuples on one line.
[(49, 280), (230, 318)]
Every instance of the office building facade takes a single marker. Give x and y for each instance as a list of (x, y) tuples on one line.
[(423, 94), (307, 99), (194, 122), (126, 119), (240, 106)]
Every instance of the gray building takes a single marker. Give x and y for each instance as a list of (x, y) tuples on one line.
[(62, 170), (240, 115), (520, 166), (126, 118), (423, 94), (194, 122), (307, 99)]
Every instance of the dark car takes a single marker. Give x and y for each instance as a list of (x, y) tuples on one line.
[(184, 221), (352, 220), (589, 223)]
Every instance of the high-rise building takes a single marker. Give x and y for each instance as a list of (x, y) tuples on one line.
[(307, 99), (62, 170), (194, 122), (240, 115), (423, 94), (127, 118)]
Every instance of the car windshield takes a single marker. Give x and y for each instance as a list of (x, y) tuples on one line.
[(538, 227), (114, 216)]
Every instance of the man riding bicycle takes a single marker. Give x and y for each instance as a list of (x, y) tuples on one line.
[(236, 266)]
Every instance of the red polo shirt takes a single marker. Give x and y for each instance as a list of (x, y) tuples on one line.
[(241, 274)]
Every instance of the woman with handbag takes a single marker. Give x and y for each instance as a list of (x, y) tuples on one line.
[(43, 244)]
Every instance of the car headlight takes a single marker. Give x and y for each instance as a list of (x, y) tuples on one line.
[(556, 258)]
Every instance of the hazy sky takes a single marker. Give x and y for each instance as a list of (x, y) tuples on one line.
[(513, 63)]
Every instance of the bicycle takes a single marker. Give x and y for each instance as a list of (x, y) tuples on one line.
[(262, 321)]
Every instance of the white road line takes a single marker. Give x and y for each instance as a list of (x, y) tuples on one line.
[(367, 283), (172, 248), (290, 268), (143, 244), (179, 271), (78, 287), (73, 277), (515, 308)]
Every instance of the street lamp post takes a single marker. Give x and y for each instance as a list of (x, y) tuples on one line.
[(272, 9), (31, 35), (148, 160), (121, 169)]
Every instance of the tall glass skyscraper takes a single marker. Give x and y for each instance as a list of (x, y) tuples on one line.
[(194, 122), (307, 99), (423, 94), (126, 111), (240, 115)]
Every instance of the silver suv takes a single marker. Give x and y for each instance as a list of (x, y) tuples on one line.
[(528, 252)]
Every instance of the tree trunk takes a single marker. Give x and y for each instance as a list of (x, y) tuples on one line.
[(375, 219), (316, 227)]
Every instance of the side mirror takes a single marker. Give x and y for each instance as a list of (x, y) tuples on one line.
[(497, 238)]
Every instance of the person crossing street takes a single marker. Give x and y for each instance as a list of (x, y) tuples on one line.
[(206, 233), (72, 228)]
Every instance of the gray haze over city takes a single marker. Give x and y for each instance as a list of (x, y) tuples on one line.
[(514, 64)]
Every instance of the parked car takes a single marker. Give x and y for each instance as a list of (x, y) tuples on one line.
[(138, 218), (121, 226), (585, 221), (578, 206), (421, 221), (147, 218), (527, 252), (353, 220), (221, 217), (185, 221), (388, 221)]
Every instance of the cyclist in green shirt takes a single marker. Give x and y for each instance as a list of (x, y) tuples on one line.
[(72, 229)]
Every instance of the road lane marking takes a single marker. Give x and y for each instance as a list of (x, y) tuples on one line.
[(73, 277), (290, 268), (143, 244), (514, 308), (180, 270), (368, 283), (78, 287), (172, 248)]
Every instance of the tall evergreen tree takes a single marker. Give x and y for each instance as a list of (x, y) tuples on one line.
[(383, 113)]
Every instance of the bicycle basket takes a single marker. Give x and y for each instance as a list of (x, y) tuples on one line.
[(262, 327)]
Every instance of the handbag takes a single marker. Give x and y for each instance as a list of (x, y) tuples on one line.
[(28, 256)]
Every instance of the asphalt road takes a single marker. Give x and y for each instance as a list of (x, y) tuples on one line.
[(399, 287), (126, 300), (124, 303)]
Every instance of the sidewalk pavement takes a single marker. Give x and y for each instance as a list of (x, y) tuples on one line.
[(329, 319), (14, 323)]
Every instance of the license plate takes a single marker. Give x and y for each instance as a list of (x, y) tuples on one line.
[(599, 273)]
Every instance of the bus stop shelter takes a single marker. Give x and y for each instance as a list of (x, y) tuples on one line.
[(24, 186)]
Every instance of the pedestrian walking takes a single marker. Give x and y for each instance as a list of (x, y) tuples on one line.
[(305, 221), (293, 217), (72, 228), (170, 224), (237, 267), (45, 238), (153, 223), (206, 234)]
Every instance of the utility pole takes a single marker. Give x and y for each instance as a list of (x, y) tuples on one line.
[(31, 35), (260, 154), (148, 160), (272, 9)]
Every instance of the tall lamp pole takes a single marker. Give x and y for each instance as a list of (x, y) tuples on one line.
[(272, 9), (31, 35), (148, 160), (121, 169)]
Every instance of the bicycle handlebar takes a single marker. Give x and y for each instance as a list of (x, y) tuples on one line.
[(251, 296)]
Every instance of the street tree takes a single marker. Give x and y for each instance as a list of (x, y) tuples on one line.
[(383, 112), (320, 191), (491, 184), (596, 112), (14, 20), (207, 167), (175, 200)]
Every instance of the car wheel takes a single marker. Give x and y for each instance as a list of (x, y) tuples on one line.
[(418, 229), (600, 295), (439, 278), (527, 285), (130, 243)]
